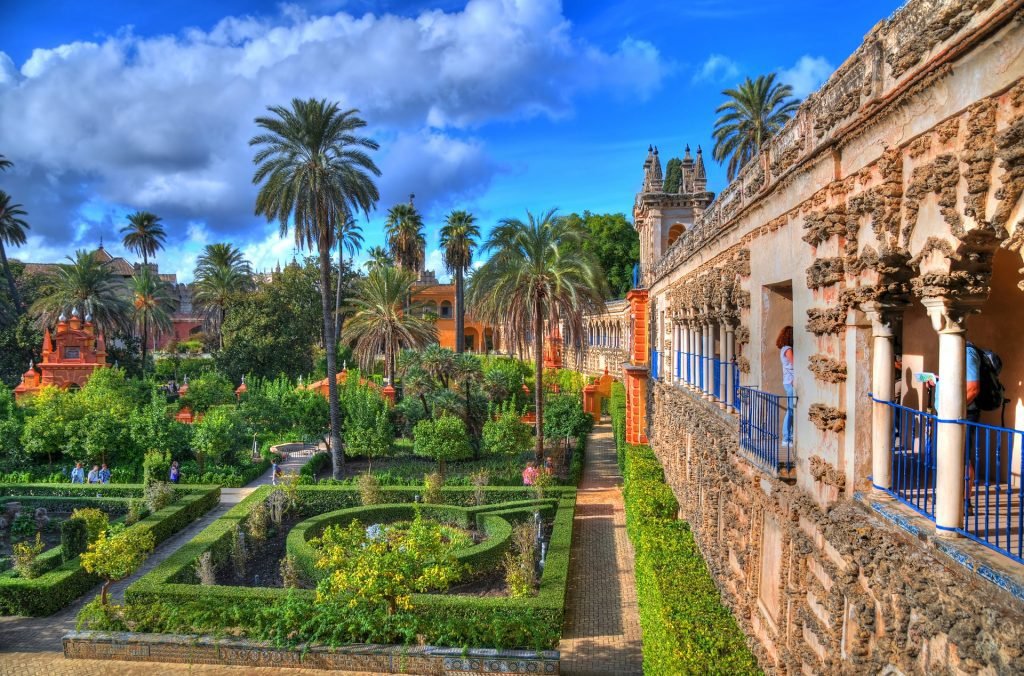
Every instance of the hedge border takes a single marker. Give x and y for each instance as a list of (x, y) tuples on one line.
[(686, 627), (51, 591), (534, 622)]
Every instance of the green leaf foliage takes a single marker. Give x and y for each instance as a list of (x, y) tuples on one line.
[(442, 439), (615, 244), (505, 433)]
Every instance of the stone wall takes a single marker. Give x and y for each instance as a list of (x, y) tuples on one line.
[(833, 590)]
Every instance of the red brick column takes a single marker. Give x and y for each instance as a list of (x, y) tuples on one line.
[(636, 371)]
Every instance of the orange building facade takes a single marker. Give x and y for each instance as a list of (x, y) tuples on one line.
[(439, 301), (69, 357)]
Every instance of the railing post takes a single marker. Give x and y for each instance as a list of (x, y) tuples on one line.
[(949, 320), (706, 357), (882, 382), (723, 383)]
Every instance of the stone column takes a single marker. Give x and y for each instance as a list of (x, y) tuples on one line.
[(707, 351), (723, 384), (949, 320), (730, 354), (882, 383)]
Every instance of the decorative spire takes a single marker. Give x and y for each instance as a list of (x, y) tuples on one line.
[(63, 318), (88, 318), (47, 343), (74, 312), (700, 178)]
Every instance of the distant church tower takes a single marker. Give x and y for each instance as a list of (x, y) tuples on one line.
[(661, 217)]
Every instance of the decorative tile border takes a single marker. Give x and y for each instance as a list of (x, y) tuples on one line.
[(953, 549), (390, 659)]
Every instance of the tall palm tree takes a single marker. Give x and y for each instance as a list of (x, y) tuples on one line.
[(144, 234), (152, 304), (12, 233), (89, 284), (315, 171), (222, 255), (756, 111), (380, 324), (458, 239), (5, 163), (213, 290), (379, 257), (538, 273), (404, 229), (350, 239)]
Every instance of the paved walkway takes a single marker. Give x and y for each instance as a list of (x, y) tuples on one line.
[(32, 645), (602, 626)]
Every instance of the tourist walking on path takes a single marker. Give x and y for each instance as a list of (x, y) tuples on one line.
[(94, 475), (104, 474), (175, 472), (78, 474), (785, 344)]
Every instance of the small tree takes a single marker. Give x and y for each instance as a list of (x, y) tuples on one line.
[(384, 570), (96, 522), (24, 555), (156, 466), (505, 433), (219, 436), (117, 557), (566, 419), (442, 439)]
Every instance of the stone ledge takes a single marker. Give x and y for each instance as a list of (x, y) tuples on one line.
[(392, 659), (970, 556)]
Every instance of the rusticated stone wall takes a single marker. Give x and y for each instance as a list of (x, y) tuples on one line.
[(834, 590)]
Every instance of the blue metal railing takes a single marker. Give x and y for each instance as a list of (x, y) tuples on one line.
[(993, 470), (689, 366), (993, 513), (654, 364), (912, 450), (762, 415), (700, 372), (716, 379), (735, 384), (679, 365)]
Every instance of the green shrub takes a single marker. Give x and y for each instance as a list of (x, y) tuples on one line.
[(369, 490), (504, 432), (220, 437), (442, 439), (96, 521), (74, 538), (156, 466)]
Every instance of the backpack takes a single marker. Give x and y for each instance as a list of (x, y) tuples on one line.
[(992, 394)]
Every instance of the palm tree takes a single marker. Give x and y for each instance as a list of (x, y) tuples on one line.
[(380, 324), (213, 290), (88, 284), (379, 257), (404, 229), (5, 163), (12, 233), (458, 238), (317, 171), (350, 239), (152, 304), (222, 255), (144, 234), (756, 111), (539, 272)]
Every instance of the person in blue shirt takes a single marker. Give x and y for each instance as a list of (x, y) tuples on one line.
[(78, 474), (104, 474)]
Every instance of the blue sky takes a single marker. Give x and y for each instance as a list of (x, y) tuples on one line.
[(497, 106)]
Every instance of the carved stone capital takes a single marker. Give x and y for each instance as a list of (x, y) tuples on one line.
[(882, 316), (948, 315)]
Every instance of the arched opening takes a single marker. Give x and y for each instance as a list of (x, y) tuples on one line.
[(430, 308), (446, 309), (675, 232)]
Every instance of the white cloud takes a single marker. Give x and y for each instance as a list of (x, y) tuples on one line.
[(717, 68), (806, 75), (162, 123)]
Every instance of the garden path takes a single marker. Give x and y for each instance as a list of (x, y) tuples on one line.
[(602, 625), (32, 645)]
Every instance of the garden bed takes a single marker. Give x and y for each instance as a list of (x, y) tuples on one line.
[(63, 581), (174, 602)]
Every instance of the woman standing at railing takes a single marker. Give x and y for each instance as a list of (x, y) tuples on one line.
[(785, 344)]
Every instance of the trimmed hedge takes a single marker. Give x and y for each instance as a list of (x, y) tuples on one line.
[(313, 466), (63, 583), (175, 605), (686, 628), (617, 411)]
